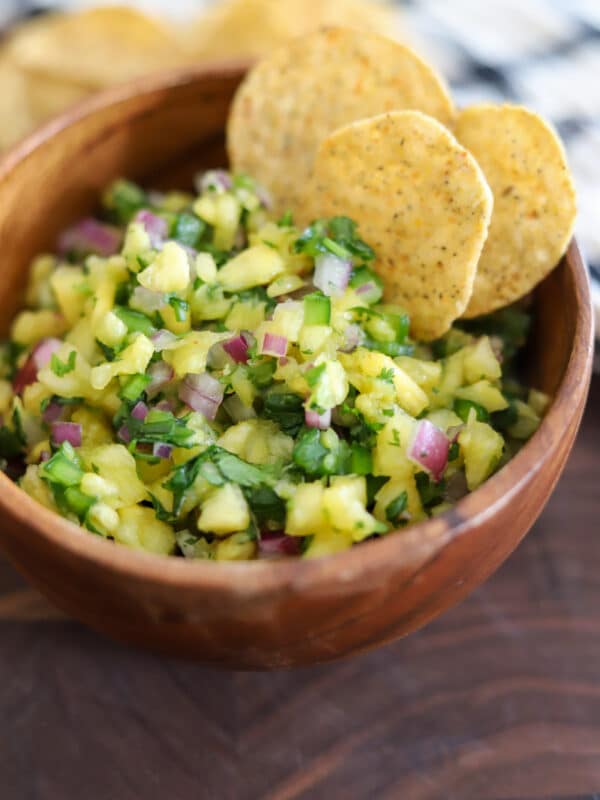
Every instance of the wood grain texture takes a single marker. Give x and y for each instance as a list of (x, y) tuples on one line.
[(260, 614), (497, 700)]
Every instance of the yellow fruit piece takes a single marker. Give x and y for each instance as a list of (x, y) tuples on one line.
[(139, 529), (132, 360), (30, 326), (224, 511), (115, 464), (255, 266), (169, 272)]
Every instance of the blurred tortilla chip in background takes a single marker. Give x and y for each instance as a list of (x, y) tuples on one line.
[(51, 61)]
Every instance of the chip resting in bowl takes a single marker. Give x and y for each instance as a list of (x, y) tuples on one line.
[(534, 201), (292, 100), (423, 203)]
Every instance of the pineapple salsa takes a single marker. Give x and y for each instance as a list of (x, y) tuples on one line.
[(192, 376)]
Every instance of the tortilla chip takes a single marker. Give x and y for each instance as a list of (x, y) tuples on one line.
[(48, 96), (98, 47), (420, 200), (15, 115), (255, 27), (534, 201), (291, 101)]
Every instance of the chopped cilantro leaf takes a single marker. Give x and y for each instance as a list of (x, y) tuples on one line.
[(61, 368)]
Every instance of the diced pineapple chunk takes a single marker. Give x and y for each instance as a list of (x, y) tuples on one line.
[(327, 543), (111, 330), (444, 419), (482, 448), (539, 401), (224, 511), (171, 323), (238, 547), (36, 487), (140, 529), (68, 284), (252, 267), (133, 359), (104, 519), (370, 371), (206, 268), (245, 316), (527, 422), (480, 362), (30, 326), (344, 507), (169, 272), (257, 441), (392, 490), (305, 510), (425, 374), (389, 456), (452, 378), (316, 340), (485, 394), (137, 240), (331, 386), (189, 353), (115, 464)]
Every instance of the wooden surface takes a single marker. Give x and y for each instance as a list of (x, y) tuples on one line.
[(498, 699)]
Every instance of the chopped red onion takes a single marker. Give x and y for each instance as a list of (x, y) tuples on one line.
[(162, 450), (169, 405), (146, 300), (66, 432), (331, 274), (353, 336), (139, 411), (52, 412), (315, 420), (429, 449), (369, 292), (162, 339), (123, 434), (202, 393), (214, 179), (277, 543), (156, 227), (274, 345), (237, 348), (38, 359), (44, 456), (237, 410), (161, 374), (283, 361), (90, 236)]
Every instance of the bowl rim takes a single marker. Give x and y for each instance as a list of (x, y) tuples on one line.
[(252, 578)]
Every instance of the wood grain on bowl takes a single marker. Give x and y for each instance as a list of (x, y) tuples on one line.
[(259, 614)]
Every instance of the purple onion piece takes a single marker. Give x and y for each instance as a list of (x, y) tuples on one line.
[(139, 411), (90, 236), (66, 432), (156, 227), (162, 450)]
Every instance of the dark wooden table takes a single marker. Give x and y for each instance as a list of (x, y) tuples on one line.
[(498, 699)]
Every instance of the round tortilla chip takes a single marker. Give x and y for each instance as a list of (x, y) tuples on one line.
[(534, 201), (291, 101), (420, 201), (15, 115), (96, 47), (255, 27)]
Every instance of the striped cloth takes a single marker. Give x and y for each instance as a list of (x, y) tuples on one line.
[(544, 53)]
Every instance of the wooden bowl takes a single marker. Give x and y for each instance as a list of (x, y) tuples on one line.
[(260, 614)]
